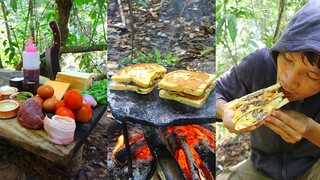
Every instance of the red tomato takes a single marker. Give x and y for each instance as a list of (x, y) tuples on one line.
[(84, 113), (64, 111), (59, 104), (73, 99)]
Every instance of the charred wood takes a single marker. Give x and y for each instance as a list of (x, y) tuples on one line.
[(167, 165), (206, 154), (170, 139), (195, 170)]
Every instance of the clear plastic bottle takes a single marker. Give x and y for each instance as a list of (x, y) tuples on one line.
[(31, 67)]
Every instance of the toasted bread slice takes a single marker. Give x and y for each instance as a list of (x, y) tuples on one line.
[(198, 103), (127, 87), (193, 83), (255, 107), (141, 75)]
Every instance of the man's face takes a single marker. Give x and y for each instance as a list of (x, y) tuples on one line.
[(299, 79)]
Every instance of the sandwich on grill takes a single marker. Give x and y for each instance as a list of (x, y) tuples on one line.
[(140, 78), (254, 107), (191, 88)]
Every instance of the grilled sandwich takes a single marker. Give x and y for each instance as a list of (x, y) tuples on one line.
[(187, 87), (254, 107), (139, 78)]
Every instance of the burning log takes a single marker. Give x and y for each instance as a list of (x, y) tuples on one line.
[(195, 171), (207, 154), (167, 165), (135, 149)]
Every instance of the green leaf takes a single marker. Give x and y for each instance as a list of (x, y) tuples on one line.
[(135, 60), (157, 53), (168, 61), (168, 56), (253, 43), (11, 56), (5, 42), (232, 27), (219, 29), (101, 2), (142, 3), (98, 91), (13, 4), (159, 61), (175, 58)]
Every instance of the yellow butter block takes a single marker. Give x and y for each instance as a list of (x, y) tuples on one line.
[(60, 88)]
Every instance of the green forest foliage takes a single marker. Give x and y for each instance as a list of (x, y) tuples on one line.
[(246, 25), (87, 25)]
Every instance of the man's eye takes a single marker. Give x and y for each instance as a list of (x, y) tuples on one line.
[(288, 57), (313, 77)]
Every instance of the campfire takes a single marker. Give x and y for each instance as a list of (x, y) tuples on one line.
[(192, 148)]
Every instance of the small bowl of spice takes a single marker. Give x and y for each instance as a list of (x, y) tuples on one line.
[(6, 91), (8, 109), (21, 96)]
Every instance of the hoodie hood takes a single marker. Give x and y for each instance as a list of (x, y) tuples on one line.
[(302, 33)]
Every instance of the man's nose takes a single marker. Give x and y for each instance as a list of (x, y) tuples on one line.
[(294, 79)]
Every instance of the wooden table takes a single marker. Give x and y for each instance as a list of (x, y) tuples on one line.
[(36, 141)]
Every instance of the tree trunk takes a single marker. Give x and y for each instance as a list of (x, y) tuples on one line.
[(4, 12), (64, 8), (281, 12)]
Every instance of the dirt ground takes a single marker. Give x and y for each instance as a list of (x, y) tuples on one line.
[(231, 148)]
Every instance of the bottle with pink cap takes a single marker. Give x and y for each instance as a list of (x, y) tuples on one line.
[(31, 65)]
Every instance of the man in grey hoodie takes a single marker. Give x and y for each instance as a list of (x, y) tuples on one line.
[(286, 145)]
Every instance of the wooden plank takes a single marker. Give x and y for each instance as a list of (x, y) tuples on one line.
[(37, 141)]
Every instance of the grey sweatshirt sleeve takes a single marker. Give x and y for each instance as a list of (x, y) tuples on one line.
[(256, 71)]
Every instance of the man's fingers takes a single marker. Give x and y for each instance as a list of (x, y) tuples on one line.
[(282, 133)]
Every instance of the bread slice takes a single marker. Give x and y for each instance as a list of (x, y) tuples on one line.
[(127, 87), (141, 75), (178, 85), (193, 83)]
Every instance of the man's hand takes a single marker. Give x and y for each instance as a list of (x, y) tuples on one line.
[(289, 124), (227, 116)]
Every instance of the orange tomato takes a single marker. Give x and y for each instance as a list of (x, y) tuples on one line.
[(50, 104), (59, 104), (84, 113), (39, 99), (45, 91), (64, 111), (73, 99)]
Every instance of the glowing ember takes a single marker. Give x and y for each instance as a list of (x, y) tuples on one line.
[(192, 134)]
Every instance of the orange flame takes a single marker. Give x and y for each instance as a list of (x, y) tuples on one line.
[(120, 143)]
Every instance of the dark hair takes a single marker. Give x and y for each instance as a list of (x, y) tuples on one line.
[(312, 57)]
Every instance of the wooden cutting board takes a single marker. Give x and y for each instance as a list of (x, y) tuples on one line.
[(35, 141)]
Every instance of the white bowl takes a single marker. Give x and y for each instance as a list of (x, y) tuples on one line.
[(6, 91), (8, 108)]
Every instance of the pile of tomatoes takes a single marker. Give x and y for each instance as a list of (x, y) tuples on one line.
[(72, 104)]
